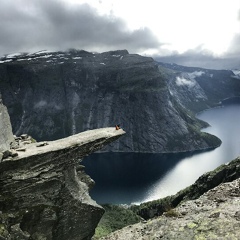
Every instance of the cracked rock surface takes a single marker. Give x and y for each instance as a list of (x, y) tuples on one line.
[(44, 192), (214, 215)]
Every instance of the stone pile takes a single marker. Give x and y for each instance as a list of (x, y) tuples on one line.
[(19, 144)]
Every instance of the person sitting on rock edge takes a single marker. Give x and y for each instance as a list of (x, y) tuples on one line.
[(117, 126)]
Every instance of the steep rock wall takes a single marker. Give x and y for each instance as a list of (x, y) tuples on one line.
[(6, 135), (58, 94), (44, 192)]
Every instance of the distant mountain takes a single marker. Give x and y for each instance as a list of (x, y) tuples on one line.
[(236, 73), (204, 87), (52, 95)]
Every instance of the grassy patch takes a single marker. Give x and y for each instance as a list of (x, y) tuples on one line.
[(171, 213), (115, 217)]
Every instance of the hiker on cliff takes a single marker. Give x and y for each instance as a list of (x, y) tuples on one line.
[(117, 126)]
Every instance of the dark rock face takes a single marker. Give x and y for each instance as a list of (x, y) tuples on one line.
[(6, 136), (54, 95), (44, 193), (198, 89)]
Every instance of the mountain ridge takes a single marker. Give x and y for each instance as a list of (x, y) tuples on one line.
[(54, 95)]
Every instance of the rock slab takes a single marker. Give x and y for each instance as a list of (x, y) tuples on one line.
[(44, 191)]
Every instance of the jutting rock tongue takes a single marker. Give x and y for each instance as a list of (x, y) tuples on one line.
[(44, 191), (6, 135)]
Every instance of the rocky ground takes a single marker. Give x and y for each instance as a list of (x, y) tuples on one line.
[(44, 191), (215, 215)]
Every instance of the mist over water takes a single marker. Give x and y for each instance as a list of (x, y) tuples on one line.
[(125, 178)]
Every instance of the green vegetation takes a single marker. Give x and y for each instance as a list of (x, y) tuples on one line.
[(3, 231), (115, 217), (172, 213), (154, 208), (32, 140), (206, 182)]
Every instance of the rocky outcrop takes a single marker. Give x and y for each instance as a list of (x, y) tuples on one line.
[(44, 189), (57, 94), (214, 215), (168, 208), (6, 136), (224, 173)]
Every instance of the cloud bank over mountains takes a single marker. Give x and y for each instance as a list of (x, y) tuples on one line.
[(54, 25), (29, 26)]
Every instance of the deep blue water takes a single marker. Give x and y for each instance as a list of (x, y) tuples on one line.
[(125, 178)]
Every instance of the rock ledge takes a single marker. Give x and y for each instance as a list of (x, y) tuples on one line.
[(44, 189)]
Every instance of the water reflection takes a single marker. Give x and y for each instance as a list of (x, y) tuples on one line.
[(126, 177), (132, 177)]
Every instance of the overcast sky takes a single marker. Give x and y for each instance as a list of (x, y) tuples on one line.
[(191, 32)]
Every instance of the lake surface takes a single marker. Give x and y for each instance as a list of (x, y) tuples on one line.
[(125, 178)]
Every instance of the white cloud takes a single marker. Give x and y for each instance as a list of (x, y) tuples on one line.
[(195, 74), (183, 30), (180, 81), (28, 26)]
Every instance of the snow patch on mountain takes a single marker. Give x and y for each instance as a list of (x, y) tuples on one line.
[(45, 56), (4, 61), (13, 55), (236, 72), (40, 52)]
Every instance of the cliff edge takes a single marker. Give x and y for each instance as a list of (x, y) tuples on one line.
[(6, 136), (44, 189)]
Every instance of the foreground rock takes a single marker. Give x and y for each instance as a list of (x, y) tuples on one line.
[(228, 172), (215, 215), (224, 173), (44, 190)]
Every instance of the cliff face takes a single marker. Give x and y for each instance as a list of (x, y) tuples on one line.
[(54, 95), (198, 89), (6, 136), (44, 190)]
